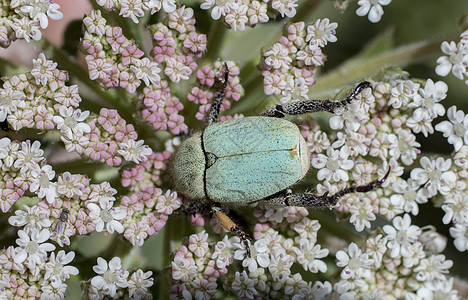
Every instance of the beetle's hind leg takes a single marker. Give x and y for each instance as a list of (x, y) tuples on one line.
[(218, 100), (310, 106), (319, 201), (232, 227)]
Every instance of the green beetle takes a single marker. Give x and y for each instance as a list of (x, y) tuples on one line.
[(243, 161)]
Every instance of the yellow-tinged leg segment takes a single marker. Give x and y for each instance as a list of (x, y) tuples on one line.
[(232, 227)]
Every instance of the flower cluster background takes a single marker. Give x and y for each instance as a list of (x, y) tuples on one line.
[(96, 96)]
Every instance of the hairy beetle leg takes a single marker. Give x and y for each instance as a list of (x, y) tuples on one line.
[(232, 227), (194, 207), (321, 201), (218, 100), (310, 106)]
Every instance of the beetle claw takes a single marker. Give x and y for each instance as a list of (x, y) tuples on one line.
[(373, 184)]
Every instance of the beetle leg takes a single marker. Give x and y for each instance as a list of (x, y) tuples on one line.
[(310, 106), (195, 206), (232, 227), (218, 100), (320, 201)]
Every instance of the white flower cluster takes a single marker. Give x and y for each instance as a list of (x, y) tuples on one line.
[(25, 19), (403, 252), (455, 59), (238, 14), (412, 108), (114, 281), (135, 9), (289, 65), (267, 273), (34, 256), (373, 8)]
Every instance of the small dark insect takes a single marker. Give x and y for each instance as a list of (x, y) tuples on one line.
[(62, 223)]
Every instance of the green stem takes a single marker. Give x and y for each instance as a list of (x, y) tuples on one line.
[(7, 67), (215, 38)]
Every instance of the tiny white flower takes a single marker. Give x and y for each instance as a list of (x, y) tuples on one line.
[(308, 255), (42, 69), (29, 156), (95, 23), (460, 158), (220, 7), (373, 8), (460, 234), (280, 265), (135, 151), (41, 183), (26, 29), (70, 122), (244, 286), (176, 70), (237, 16), (390, 207), (434, 174), (456, 209), (222, 253), (10, 101), (31, 218), (296, 287), (361, 214), (456, 129), (433, 268), (401, 235), (410, 193), (105, 215), (350, 117), (376, 247), (146, 70), (102, 192), (132, 9), (442, 289), (402, 93), (41, 9), (69, 185), (110, 276), (456, 61), (353, 143), (426, 101), (355, 263), (321, 32), (404, 146), (259, 255), (285, 7), (56, 269), (139, 283), (296, 90), (333, 166), (32, 248), (183, 268)]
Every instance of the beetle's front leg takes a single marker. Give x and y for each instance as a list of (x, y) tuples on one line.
[(218, 100), (310, 106), (320, 201), (232, 227), (194, 207)]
